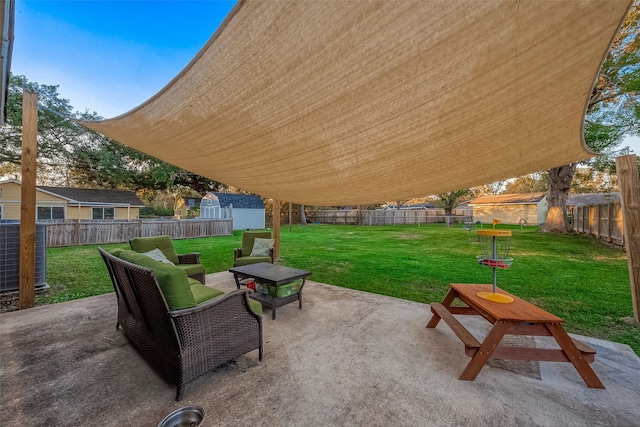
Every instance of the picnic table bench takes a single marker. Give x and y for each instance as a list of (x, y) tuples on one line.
[(516, 318)]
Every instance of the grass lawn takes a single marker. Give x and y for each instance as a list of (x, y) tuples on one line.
[(574, 277)]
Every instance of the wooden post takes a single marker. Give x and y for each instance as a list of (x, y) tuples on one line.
[(27, 284), (276, 229), (629, 184)]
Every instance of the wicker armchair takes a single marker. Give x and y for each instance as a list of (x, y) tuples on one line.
[(189, 262), (181, 344), (242, 256)]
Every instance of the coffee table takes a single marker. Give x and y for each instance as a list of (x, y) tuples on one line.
[(273, 275)]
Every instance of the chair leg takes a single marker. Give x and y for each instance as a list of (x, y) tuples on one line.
[(180, 392)]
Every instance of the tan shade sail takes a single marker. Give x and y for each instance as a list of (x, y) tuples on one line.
[(352, 102)]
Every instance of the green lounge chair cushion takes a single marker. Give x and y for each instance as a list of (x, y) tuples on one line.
[(164, 243), (191, 269), (248, 239), (245, 260), (173, 281), (202, 293), (255, 306)]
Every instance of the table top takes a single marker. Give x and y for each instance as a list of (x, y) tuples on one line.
[(276, 274), (517, 311)]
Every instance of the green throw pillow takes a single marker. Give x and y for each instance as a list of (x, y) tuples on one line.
[(173, 281)]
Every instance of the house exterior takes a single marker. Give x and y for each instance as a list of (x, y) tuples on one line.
[(185, 206), (247, 211), (61, 203), (528, 208)]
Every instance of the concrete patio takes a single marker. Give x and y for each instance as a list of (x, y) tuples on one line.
[(348, 358)]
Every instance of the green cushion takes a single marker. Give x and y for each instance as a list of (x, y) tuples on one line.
[(283, 290), (255, 306), (173, 281), (245, 260), (191, 269), (248, 238), (115, 251), (164, 243), (202, 293)]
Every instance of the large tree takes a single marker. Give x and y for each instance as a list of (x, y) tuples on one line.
[(72, 155), (450, 200), (613, 111)]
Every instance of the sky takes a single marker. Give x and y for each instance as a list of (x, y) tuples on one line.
[(109, 57)]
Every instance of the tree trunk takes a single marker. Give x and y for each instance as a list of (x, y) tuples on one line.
[(559, 184), (303, 217)]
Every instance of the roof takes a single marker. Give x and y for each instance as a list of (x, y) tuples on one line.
[(239, 201), (346, 103), (509, 199), (94, 196), (586, 199)]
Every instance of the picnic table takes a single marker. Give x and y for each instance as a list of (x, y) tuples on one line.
[(516, 318)]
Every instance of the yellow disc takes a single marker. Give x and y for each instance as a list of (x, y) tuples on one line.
[(495, 297), (497, 233)]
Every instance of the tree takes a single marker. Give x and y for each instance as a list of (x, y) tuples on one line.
[(532, 183), (612, 112), (71, 154), (56, 134), (451, 199)]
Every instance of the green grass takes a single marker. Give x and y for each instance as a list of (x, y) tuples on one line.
[(574, 277)]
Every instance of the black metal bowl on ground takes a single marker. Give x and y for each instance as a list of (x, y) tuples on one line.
[(187, 416)]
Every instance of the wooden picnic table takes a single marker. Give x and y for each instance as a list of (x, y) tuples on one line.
[(516, 318)]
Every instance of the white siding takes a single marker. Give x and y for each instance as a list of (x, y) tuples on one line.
[(244, 219)]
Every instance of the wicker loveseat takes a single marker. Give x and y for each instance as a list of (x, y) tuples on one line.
[(181, 335)]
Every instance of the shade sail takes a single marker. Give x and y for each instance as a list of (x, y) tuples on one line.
[(354, 102)]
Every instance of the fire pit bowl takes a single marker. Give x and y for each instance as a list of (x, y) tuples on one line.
[(187, 416)]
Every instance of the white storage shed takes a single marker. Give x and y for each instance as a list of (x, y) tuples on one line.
[(247, 211)]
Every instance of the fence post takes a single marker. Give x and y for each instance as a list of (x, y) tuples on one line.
[(629, 184), (609, 222)]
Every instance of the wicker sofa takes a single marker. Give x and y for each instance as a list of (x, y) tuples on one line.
[(181, 337)]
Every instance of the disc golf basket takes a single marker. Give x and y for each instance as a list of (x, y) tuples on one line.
[(495, 245)]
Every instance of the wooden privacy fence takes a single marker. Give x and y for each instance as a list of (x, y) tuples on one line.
[(385, 217), (602, 221), (75, 233)]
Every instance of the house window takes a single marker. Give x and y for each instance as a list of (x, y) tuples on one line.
[(50, 212), (102, 213)]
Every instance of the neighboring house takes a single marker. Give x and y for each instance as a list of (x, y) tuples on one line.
[(530, 208), (183, 205), (247, 211), (61, 203), (590, 199), (587, 199)]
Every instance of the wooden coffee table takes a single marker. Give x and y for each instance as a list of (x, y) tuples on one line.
[(273, 275), (517, 318)]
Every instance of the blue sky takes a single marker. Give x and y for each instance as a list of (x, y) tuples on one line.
[(111, 56)]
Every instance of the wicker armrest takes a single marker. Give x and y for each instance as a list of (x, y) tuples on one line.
[(190, 258), (237, 253)]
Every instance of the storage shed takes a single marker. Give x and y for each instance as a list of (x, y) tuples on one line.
[(247, 211), (528, 208)]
